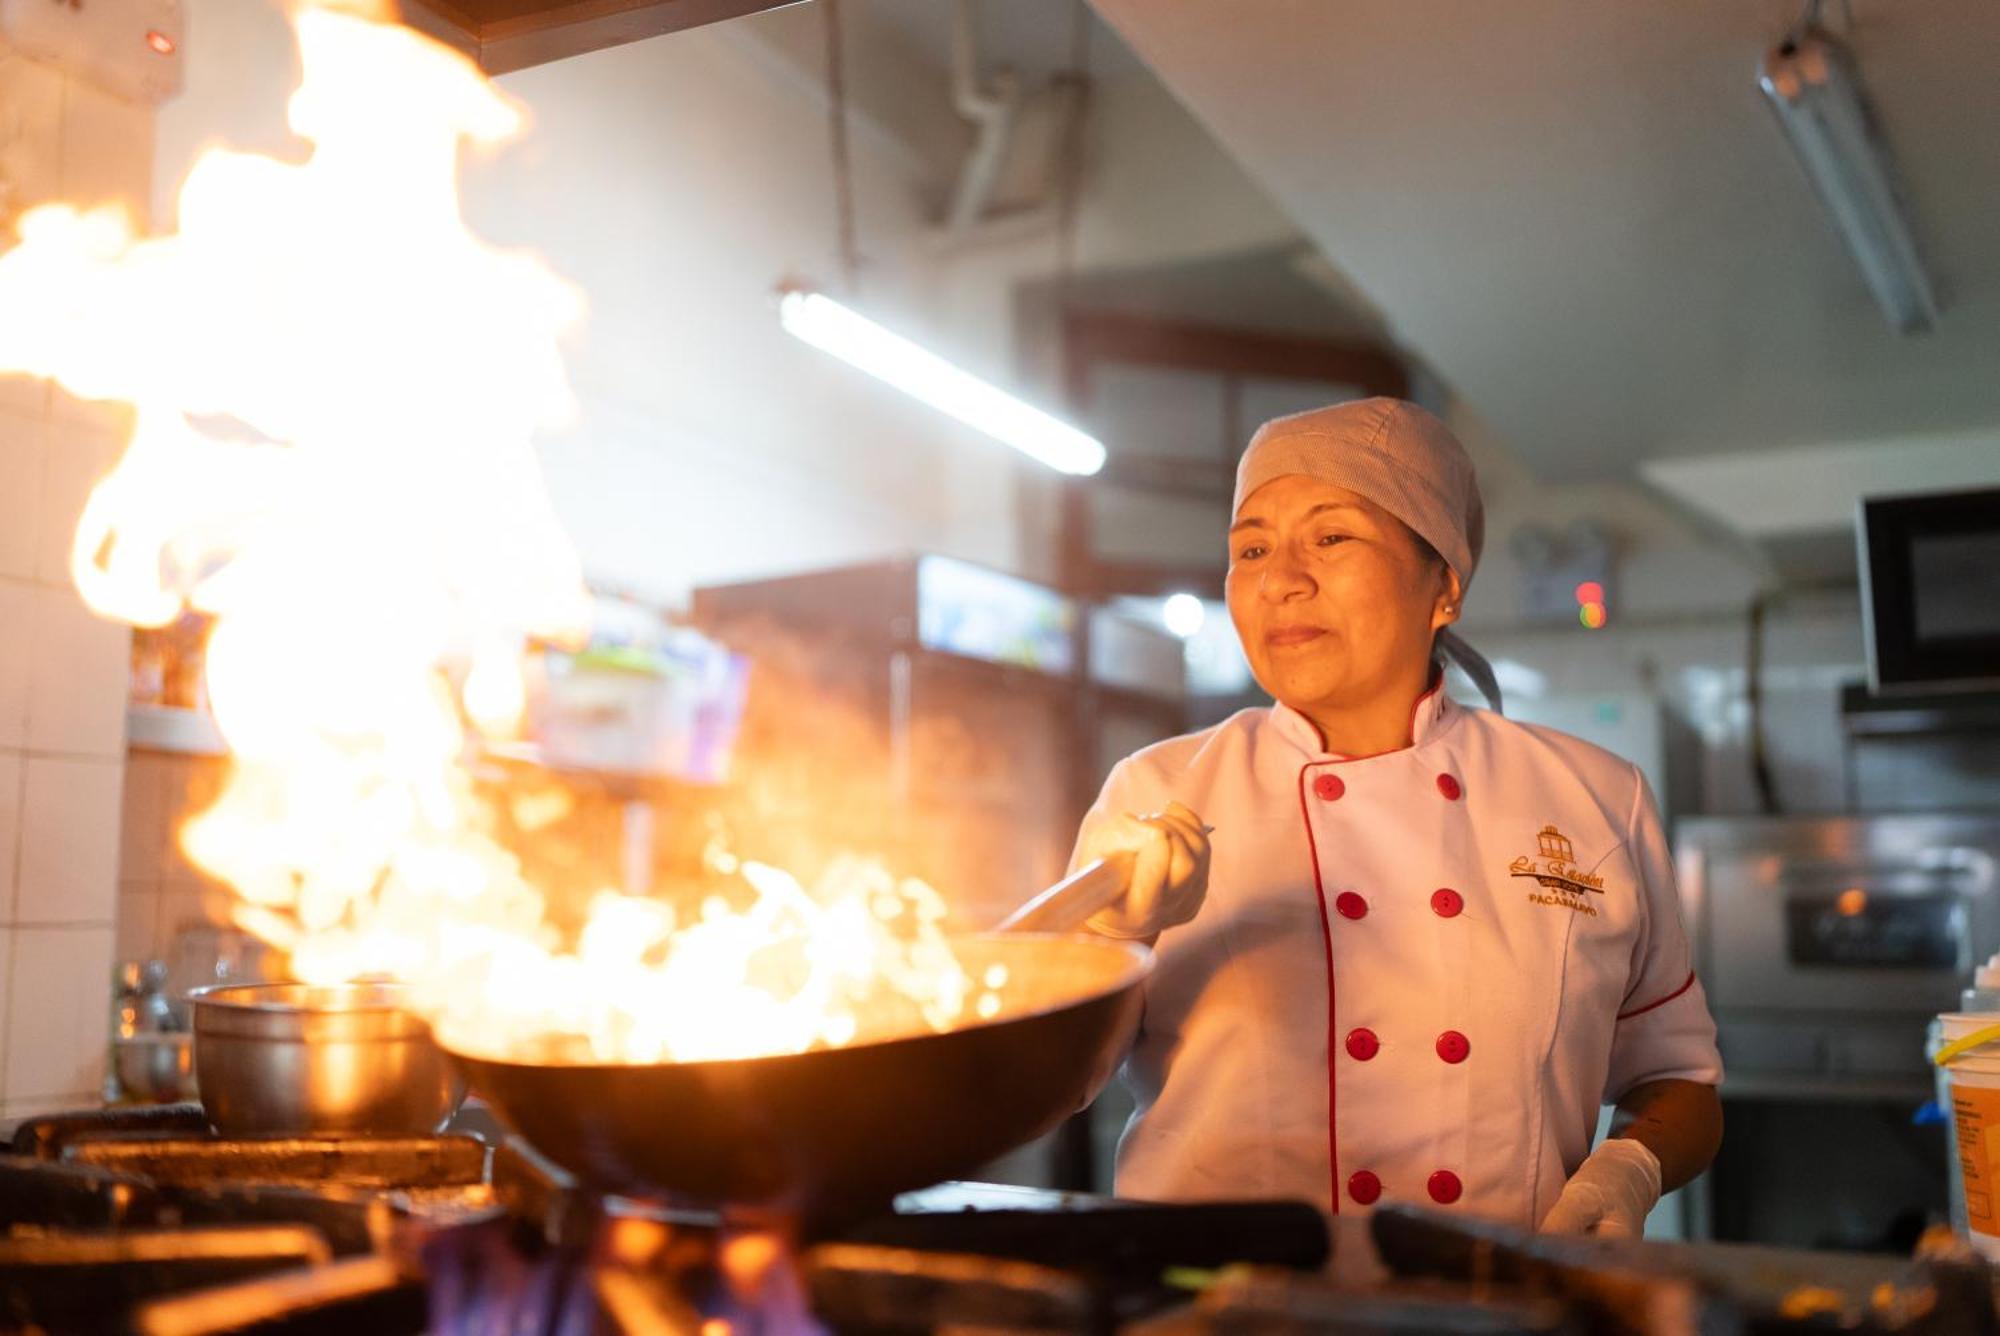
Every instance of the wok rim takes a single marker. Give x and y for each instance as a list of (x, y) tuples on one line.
[(1140, 962)]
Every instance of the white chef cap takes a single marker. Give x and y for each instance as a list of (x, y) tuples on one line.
[(1403, 459), (1389, 451)]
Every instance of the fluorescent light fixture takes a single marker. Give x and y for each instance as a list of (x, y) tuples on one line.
[(1183, 614), (859, 341), (1813, 85)]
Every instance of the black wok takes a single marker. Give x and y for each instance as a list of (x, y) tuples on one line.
[(839, 1131)]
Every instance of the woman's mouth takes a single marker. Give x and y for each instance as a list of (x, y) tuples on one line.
[(1285, 637)]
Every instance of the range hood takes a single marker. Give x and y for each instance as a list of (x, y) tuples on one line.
[(504, 35)]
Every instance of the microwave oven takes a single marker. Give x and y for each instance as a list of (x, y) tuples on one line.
[(1930, 583)]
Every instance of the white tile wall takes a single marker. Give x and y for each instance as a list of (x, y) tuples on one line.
[(78, 675), (20, 490), (80, 452), (10, 829), (6, 988), (69, 842), (62, 671), (143, 834), (138, 936), (58, 1013), (17, 642)]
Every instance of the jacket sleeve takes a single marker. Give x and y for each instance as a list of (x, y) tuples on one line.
[(1664, 1030)]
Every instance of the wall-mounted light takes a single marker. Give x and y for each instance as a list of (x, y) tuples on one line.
[(860, 342)]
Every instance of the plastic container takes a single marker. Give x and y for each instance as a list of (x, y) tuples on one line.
[(1971, 1098), (1983, 996)]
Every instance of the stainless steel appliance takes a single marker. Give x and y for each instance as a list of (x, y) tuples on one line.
[(1826, 944), (1930, 575)]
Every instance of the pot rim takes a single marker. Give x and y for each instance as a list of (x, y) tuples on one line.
[(316, 999)]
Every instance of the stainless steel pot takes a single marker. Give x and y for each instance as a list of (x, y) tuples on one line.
[(295, 1059)]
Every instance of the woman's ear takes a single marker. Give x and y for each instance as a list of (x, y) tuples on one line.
[(1451, 597)]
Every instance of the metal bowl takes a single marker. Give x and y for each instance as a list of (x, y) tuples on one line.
[(154, 1067), (302, 1060)]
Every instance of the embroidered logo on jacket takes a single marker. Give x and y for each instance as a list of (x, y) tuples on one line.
[(1564, 884)]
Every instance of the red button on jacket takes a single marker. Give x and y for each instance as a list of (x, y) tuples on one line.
[(1453, 1046), (1447, 903), (1329, 787), (1449, 787), (1364, 1187), (1362, 1044), (1350, 905), (1445, 1187)]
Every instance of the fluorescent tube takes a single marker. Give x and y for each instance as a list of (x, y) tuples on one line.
[(921, 374), (1812, 84)]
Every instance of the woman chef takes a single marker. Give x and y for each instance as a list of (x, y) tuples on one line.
[(1433, 941)]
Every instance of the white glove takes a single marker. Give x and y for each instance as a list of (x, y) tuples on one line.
[(1169, 869), (1610, 1193)]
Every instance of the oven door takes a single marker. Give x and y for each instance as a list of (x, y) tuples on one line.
[(1825, 944)]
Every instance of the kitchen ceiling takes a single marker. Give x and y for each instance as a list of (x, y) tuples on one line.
[(1033, 36), (1584, 217)]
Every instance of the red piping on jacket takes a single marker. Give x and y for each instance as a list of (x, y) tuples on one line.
[(1628, 1015), (1326, 938)]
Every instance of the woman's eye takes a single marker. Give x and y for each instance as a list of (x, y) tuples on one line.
[(1250, 553), (1330, 539)]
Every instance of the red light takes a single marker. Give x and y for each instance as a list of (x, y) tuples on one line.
[(160, 42), (1590, 592)]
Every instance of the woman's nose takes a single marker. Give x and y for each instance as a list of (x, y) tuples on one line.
[(1286, 577)]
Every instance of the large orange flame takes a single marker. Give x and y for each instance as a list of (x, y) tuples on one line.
[(336, 385)]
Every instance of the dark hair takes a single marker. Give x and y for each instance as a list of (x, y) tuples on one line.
[(1426, 550)]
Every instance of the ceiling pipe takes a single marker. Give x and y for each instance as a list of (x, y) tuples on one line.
[(991, 108)]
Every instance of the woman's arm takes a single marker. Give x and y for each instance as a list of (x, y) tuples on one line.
[(1679, 1121)]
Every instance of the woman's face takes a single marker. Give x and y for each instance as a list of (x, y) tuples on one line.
[(1335, 599)]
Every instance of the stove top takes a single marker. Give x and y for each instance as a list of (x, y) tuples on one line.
[(144, 1221)]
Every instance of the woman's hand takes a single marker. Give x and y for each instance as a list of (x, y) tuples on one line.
[(1663, 1134), (1169, 869), (1610, 1193)]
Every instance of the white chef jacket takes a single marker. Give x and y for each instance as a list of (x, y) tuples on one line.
[(1417, 975)]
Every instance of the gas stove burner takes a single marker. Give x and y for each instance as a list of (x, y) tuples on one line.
[(143, 1221)]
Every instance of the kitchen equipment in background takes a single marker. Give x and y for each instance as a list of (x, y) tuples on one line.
[(996, 712), (152, 1057), (293, 1059), (668, 710), (1826, 945), (1933, 752), (1930, 580)]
